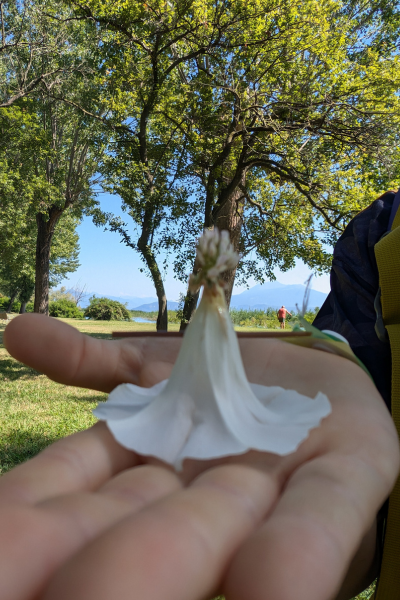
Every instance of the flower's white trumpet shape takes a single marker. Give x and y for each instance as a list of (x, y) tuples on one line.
[(207, 408)]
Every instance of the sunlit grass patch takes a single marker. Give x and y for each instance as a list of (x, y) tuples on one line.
[(35, 411)]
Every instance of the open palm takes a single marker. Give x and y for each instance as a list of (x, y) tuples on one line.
[(88, 519)]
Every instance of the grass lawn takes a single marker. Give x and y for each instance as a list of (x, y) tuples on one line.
[(35, 411)]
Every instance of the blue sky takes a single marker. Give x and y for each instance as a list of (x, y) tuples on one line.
[(108, 267)]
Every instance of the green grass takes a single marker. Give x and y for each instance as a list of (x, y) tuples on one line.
[(35, 411)]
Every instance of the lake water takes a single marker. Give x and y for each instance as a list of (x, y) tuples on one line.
[(140, 320)]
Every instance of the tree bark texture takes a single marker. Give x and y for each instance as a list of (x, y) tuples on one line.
[(148, 255), (43, 247), (229, 218), (190, 303)]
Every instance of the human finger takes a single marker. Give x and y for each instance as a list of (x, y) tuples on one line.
[(82, 461), (73, 358), (176, 549), (304, 548), (329, 503), (55, 529), (66, 355)]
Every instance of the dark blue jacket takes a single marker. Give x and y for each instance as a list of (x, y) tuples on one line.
[(349, 308)]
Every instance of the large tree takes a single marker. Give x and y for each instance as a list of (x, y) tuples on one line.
[(309, 91), (50, 153), (20, 185), (141, 46), (262, 94), (261, 105)]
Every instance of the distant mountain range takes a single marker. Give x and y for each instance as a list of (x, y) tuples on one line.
[(268, 295), (274, 294), (154, 306)]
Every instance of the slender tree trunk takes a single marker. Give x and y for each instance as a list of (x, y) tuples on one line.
[(190, 303), (12, 300), (229, 218), (148, 255), (43, 247), (26, 292), (189, 307)]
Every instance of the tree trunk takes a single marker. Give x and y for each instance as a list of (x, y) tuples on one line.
[(26, 292), (229, 218), (147, 253), (12, 300), (43, 247)]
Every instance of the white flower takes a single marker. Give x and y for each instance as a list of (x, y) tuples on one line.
[(207, 408), (215, 255)]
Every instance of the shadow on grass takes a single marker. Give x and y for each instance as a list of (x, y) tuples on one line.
[(12, 370), (97, 397), (100, 336), (18, 445)]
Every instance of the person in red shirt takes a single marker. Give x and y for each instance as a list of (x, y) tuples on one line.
[(281, 314)]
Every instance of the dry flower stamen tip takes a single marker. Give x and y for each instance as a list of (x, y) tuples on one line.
[(215, 255)]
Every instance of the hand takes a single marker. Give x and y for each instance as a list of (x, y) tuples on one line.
[(87, 519)]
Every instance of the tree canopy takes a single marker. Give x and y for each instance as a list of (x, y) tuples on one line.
[(269, 113), (274, 120)]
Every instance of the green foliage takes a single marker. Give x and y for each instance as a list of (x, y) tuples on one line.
[(174, 316), (239, 317), (23, 186), (254, 318), (104, 309), (277, 120), (65, 308), (49, 143), (266, 318), (4, 302), (284, 114), (309, 316)]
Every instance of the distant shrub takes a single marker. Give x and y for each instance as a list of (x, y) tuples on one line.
[(241, 317), (65, 308), (104, 309), (4, 302), (254, 318), (309, 316), (267, 318), (174, 316)]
